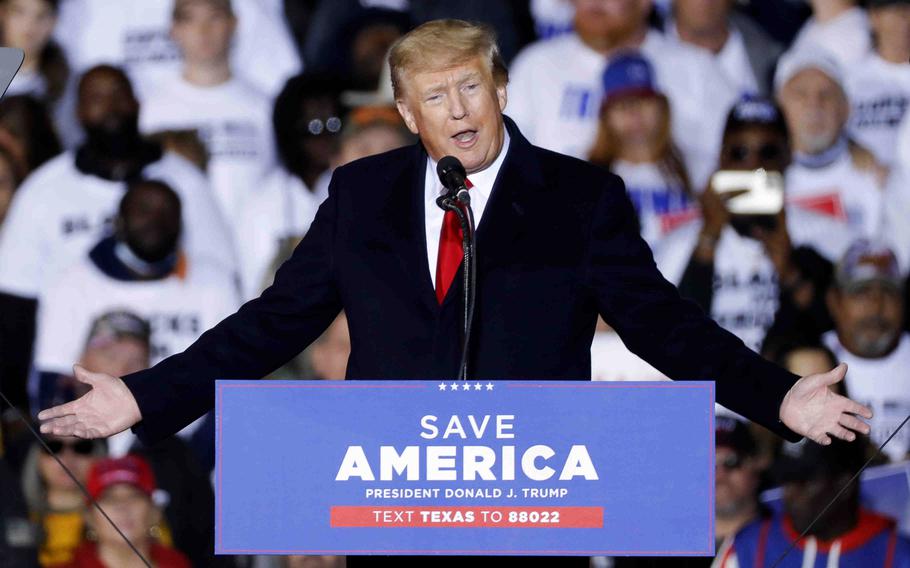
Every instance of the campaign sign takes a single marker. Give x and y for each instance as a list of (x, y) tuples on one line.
[(465, 467)]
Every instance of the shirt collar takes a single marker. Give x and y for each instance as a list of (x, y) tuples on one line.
[(482, 181), (825, 157)]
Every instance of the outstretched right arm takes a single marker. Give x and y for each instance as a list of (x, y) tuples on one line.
[(261, 336)]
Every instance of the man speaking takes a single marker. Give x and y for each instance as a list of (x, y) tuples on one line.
[(557, 245)]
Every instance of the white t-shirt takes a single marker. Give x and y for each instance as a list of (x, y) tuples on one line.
[(234, 121), (136, 35), (849, 194), (733, 60), (178, 310), (746, 294), (281, 207), (848, 36), (555, 95), (660, 201), (879, 92), (59, 213), (882, 384)]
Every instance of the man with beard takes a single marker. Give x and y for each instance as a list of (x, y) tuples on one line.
[(828, 173), (555, 91), (66, 205), (867, 305)]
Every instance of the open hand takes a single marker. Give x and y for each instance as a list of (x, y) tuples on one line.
[(107, 409), (813, 410)]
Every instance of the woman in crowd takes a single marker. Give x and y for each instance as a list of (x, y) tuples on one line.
[(28, 25), (633, 141), (124, 488), (55, 503)]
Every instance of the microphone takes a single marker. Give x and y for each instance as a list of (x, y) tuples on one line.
[(453, 177)]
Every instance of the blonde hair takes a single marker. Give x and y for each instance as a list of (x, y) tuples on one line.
[(440, 44)]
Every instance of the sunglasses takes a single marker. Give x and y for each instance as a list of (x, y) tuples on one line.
[(81, 447), (317, 126), (764, 152), (730, 462)]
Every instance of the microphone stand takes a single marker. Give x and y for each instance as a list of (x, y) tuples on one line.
[(460, 204)]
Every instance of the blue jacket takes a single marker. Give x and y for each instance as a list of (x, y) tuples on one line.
[(872, 543)]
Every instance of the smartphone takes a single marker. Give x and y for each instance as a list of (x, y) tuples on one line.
[(764, 191)]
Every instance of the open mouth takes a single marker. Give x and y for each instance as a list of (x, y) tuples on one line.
[(465, 138)]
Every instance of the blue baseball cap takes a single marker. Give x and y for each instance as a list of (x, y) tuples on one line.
[(628, 74)]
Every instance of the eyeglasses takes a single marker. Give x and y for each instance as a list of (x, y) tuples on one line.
[(765, 152), (730, 462), (317, 126), (81, 447)]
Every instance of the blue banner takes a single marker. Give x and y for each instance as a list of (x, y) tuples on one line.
[(472, 468)]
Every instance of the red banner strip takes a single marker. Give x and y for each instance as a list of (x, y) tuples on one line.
[(453, 517)]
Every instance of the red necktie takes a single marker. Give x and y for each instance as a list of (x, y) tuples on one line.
[(450, 251)]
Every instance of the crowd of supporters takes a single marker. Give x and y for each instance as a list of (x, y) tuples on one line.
[(159, 159)]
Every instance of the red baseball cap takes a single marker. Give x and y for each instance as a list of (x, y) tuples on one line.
[(130, 469)]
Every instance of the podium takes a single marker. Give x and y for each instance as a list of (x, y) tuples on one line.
[(537, 468)]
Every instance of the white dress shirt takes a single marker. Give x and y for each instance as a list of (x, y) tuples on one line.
[(482, 184)]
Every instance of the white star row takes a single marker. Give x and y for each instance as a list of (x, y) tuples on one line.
[(465, 386)]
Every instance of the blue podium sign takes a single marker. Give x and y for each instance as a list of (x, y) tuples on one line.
[(465, 467)]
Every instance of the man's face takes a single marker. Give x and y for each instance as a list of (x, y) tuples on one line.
[(804, 500), (891, 27), (150, 224), (736, 480), (815, 108), (319, 131), (610, 20), (117, 357), (456, 111), (754, 147), (107, 103), (701, 15), (203, 32), (868, 317)]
